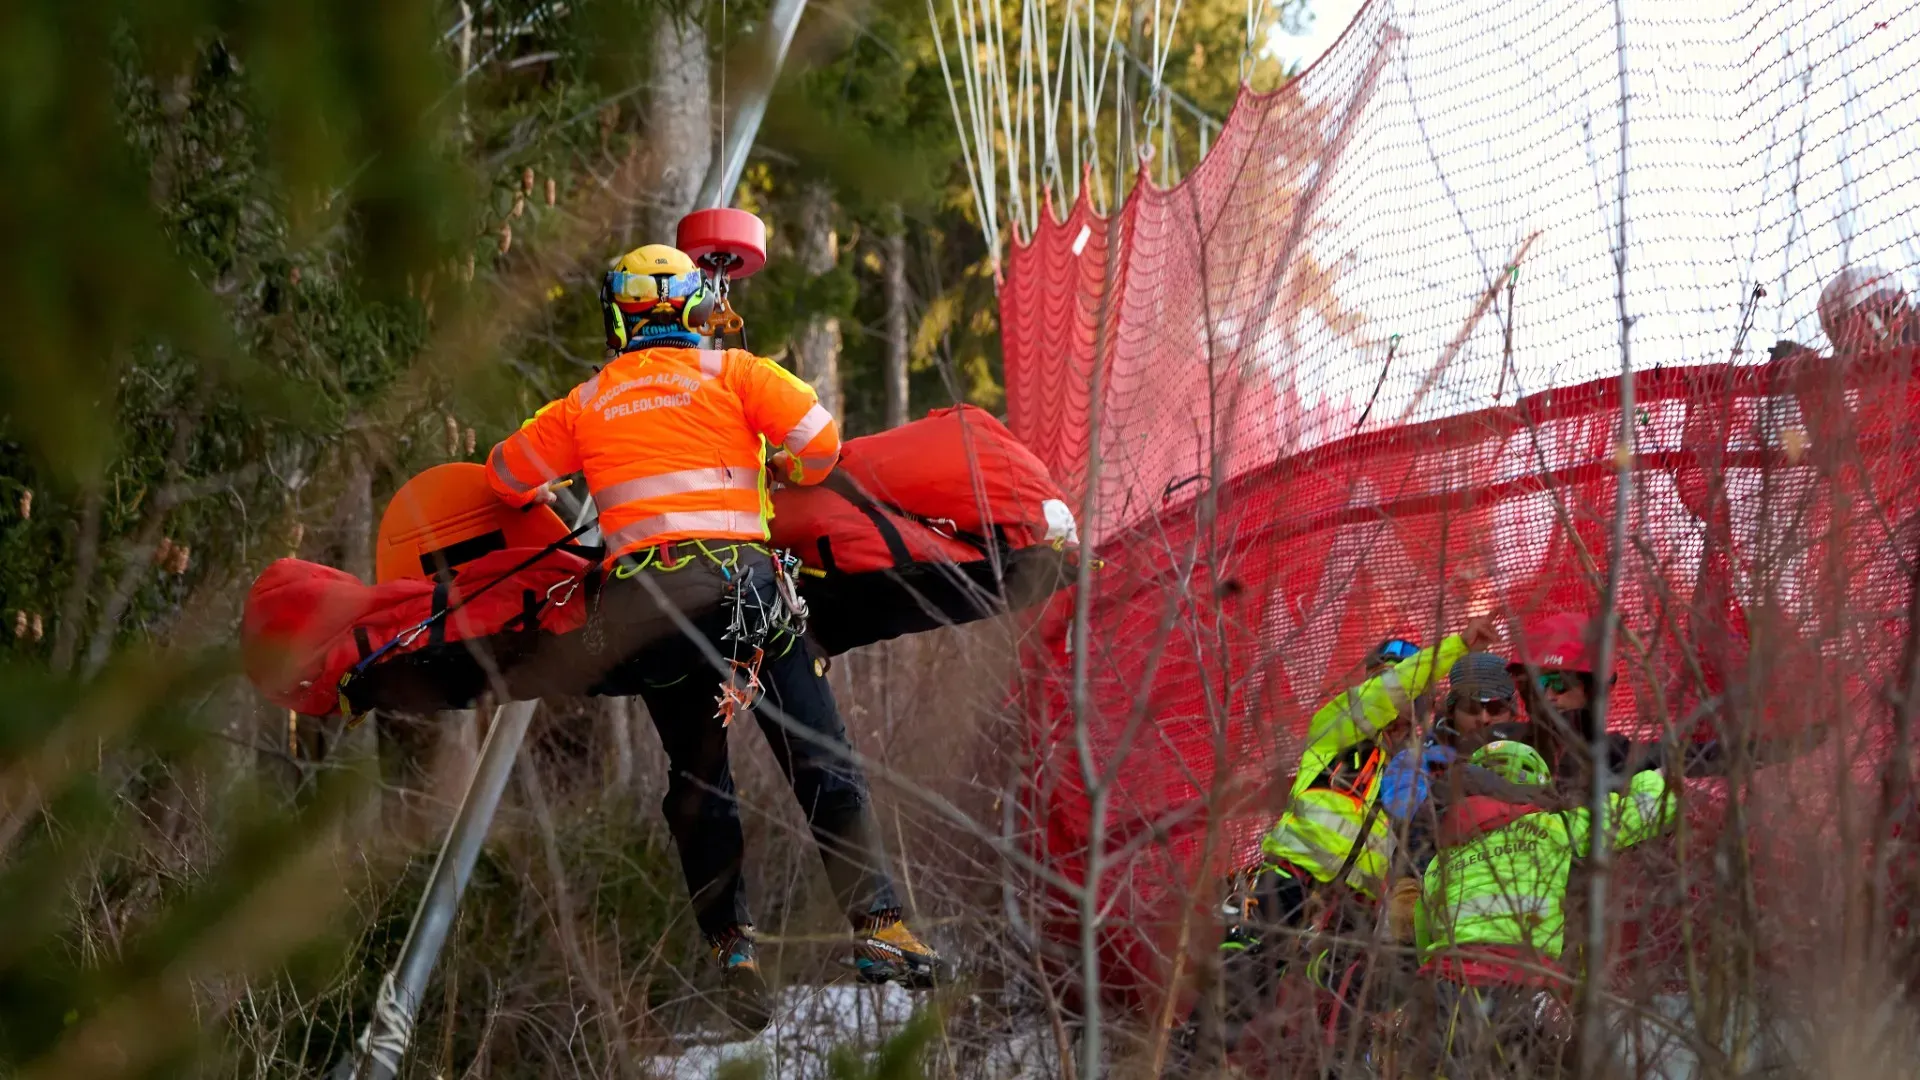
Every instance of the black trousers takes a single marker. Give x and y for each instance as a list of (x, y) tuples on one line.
[(682, 688), (1276, 930)]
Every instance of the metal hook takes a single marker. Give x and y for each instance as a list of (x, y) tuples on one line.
[(572, 586)]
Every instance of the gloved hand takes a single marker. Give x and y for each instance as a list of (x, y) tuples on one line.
[(1401, 906), (1479, 634), (544, 494)]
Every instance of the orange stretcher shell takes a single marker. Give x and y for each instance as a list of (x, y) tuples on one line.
[(449, 515)]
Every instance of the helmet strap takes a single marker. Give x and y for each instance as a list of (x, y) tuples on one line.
[(614, 323)]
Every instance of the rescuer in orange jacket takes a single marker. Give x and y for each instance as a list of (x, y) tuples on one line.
[(671, 438)]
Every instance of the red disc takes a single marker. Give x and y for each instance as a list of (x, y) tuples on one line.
[(724, 230)]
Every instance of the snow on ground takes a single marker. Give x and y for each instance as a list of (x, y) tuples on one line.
[(811, 1021)]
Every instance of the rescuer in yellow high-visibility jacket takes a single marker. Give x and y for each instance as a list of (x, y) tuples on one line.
[(1329, 828), (1330, 823), (1491, 921)]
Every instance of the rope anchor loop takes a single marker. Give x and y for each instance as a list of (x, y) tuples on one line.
[(1155, 112)]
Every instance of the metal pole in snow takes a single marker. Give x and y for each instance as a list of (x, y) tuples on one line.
[(383, 1045), (723, 175)]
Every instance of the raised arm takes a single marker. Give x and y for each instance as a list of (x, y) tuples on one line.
[(542, 451), (1357, 715), (1645, 810)]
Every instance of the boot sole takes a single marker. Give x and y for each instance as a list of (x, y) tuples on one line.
[(912, 977), (747, 1002)]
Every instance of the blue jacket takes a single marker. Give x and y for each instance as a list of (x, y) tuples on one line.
[(1405, 785)]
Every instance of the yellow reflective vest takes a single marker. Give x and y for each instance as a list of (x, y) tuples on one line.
[(1325, 813), (1507, 887)]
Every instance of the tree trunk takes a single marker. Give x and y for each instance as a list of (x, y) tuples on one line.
[(359, 746), (243, 721), (353, 515), (816, 349), (899, 343), (466, 64), (616, 716), (139, 567), (680, 119), (73, 609)]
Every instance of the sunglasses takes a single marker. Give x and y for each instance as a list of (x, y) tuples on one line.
[(633, 287), (1496, 707), (1555, 682)]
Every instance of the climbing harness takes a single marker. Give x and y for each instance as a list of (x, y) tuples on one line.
[(760, 614), (755, 623)]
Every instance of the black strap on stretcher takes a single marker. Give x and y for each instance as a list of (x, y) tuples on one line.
[(436, 622), (876, 511)]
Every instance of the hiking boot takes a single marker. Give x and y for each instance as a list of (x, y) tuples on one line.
[(1200, 1046), (888, 952), (745, 997), (1183, 1048)]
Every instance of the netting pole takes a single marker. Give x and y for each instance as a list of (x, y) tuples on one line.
[(383, 1046), (723, 176), (1592, 1016)]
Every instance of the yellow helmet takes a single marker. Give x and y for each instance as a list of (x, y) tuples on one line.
[(654, 291)]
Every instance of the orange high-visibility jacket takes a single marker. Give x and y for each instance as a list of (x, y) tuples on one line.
[(671, 442)]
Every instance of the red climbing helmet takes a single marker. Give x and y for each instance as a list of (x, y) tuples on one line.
[(1556, 642)]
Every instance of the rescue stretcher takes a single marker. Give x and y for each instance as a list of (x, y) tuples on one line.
[(943, 521)]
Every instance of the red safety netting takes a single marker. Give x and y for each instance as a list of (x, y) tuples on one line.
[(1350, 378)]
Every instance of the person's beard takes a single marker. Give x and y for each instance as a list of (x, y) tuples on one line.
[(1571, 731)]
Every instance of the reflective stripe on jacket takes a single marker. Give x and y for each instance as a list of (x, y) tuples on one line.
[(1507, 887), (1322, 825), (672, 442)]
